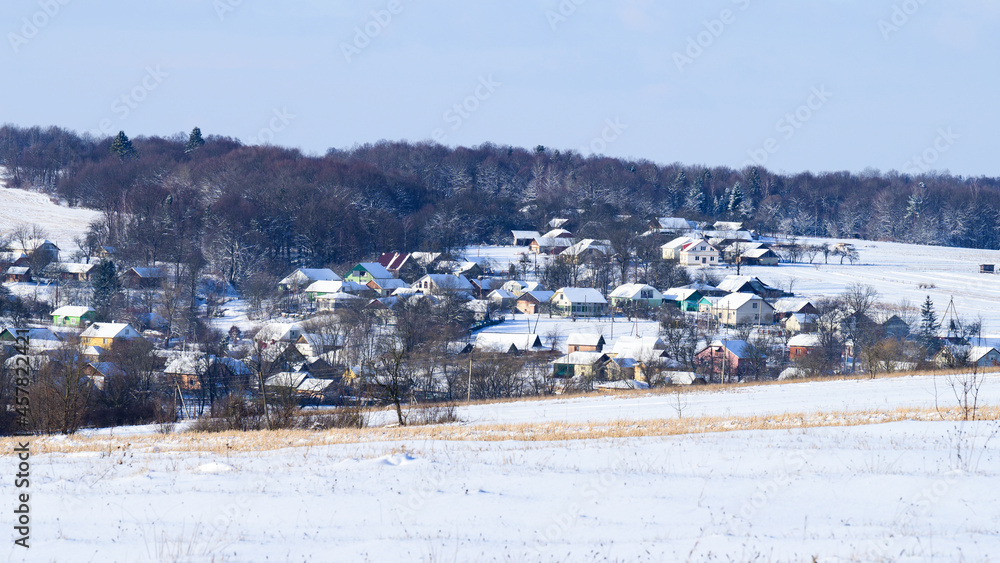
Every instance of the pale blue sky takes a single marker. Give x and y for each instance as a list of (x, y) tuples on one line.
[(883, 88)]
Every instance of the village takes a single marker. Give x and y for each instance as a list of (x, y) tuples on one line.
[(418, 327)]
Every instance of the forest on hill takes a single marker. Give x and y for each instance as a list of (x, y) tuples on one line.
[(256, 210)]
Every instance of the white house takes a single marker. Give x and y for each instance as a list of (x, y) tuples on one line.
[(579, 302), (438, 283), (302, 277), (743, 308), (698, 253)]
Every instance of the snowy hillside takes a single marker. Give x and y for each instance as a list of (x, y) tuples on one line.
[(907, 490), (62, 223)]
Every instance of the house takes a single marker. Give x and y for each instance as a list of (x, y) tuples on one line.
[(17, 274), (104, 335), (366, 272), (748, 284), (399, 265), (188, 370), (286, 380), (800, 322), (961, 356), (530, 302), (278, 332), (549, 245), (631, 295), (895, 327), (671, 250), (579, 302), (35, 247), (501, 298), (338, 301), (323, 288), (312, 344), (69, 271), (303, 277), (584, 342), (801, 345), (646, 353), (73, 315), (758, 257), (508, 342), (321, 390), (144, 277), (524, 238), (788, 306), (672, 225), (39, 339), (698, 253), (383, 287), (485, 286), (580, 364), (382, 308), (728, 226), (481, 309), (518, 288), (107, 252), (558, 233), (468, 269), (685, 299), (557, 223), (440, 283), (743, 308), (729, 358), (587, 249), (99, 372)]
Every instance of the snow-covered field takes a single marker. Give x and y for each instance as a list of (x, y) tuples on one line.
[(62, 223), (893, 492)]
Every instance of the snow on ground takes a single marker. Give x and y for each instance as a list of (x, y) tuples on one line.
[(890, 492), (62, 223)]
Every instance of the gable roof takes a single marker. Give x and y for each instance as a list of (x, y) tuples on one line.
[(737, 300), (538, 295), (602, 246), (447, 281), (504, 341), (675, 223), (72, 311), (804, 341), (526, 234), (110, 330), (148, 273), (630, 290), (393, 261), (557, 233), (580, 358), (790, 304), (374, 269), (677, 243), (584, 339), (582, 295), (69, 267), (303, 275)]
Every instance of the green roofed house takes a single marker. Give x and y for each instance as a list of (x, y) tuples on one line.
[(366, 272), (73, 315)]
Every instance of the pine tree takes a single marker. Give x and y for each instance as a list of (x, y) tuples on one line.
[(753, 183), (122, 147), (195, 141), (694, 200), (107, 287), (735, 199), (929, 325)]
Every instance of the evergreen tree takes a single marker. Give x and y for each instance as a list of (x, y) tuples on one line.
[(122, 147), (694, 200), (107, 288), (929, 325), (735, 199), (753, 183), (195, 141)]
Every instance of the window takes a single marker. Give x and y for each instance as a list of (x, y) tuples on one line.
[(754, 305)]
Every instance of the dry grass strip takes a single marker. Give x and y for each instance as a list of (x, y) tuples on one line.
[(260, 441)]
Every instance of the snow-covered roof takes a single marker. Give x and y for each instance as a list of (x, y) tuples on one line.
[(540, 296), (739, 348), (500, 294), (977, 353), (582, 295), (447, 282), (70, 267), (72, 311), (151, 273), (502, 341), (602, 246), (677, 243), (584, 339), (735, 283), (737, 300), (286, 379), (110, 330), (556, 242), (272, 332), (374, 269), (631, 290), (525, 234), (804, 341), (789, 304), (554, 233), (304, 275), (335, 286), (681, 293), (579, 358), (389, 283), (17, 270), (315, 385), (675, 223), (637, 347)]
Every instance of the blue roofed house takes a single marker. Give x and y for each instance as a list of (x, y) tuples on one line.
[(579, 302)]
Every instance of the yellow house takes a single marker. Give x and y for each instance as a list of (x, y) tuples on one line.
[(105, 335)]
